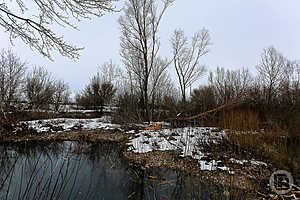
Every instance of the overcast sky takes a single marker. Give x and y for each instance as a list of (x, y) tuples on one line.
[(240, 30)]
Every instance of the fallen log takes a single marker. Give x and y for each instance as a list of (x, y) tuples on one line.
[(201, 115)]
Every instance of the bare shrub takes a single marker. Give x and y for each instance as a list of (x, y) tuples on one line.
[(61, 95), (39, 88), (230, 84), (203, 99), (96, 94), (129, 109)]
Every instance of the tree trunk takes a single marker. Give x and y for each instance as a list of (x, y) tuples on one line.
[(146, 99)]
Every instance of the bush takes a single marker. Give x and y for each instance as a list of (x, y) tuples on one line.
[(96, 94), (129, 109)]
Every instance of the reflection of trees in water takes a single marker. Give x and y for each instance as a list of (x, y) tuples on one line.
[(61, 171), (162, 183), (82, 170), (96, 152), (40, 178)]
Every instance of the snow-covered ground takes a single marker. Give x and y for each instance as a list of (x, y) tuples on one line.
[(65, 124), (171, 139), (187, 140), (252, 162)]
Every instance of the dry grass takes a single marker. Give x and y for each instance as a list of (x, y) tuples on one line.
[(264, 145), (239, 120), (245, 134)]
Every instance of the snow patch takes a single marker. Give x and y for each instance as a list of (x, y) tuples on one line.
[(252, 162), (65, 124), (186, 139)]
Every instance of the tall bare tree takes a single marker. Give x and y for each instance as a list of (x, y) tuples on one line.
[(32, 21), (12, 71), (160, 85), (270, 71), (187, 57), (140, 43)]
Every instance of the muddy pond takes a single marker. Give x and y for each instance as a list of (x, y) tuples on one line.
[(72, 170)]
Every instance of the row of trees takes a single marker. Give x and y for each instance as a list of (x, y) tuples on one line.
[(37, 87), (274, 93), (275, 88)]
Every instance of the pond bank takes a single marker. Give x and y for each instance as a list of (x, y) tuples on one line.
[(81, 135), (244, 177)]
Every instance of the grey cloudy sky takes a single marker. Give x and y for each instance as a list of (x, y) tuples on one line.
[(239, 29)]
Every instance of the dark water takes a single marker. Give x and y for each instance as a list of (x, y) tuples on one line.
[(71, 170)]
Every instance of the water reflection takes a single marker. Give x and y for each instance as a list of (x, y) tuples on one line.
[(72, 170)]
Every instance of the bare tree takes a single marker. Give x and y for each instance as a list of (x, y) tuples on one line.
[(12, 71), (230, 84), (109, 72), (140, 43), (160, 85), (270, 71), (31, 22), (39, 88), (187, 58), (61, 94)]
